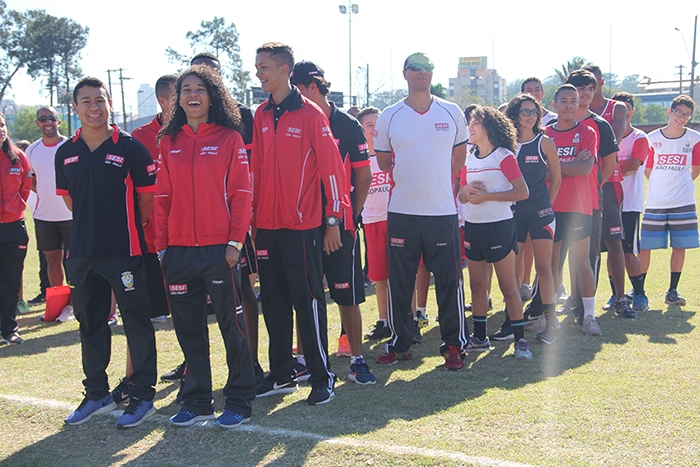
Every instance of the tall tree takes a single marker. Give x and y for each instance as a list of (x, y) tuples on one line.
[(14, 47), (438, 90), (71, 38), (575, 63), (221, 40)]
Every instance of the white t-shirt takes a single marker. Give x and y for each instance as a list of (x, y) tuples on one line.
[(49, 206), (496, 171), (377, 202), (670, 182), (633, 146), (548, 117), (421, 146)]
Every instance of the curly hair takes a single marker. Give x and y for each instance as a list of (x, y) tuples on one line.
[(499, 130), (513, 112), (223, 111), (7, 145)]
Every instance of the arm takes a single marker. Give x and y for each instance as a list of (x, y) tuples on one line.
[(553, 167), (255, 155), (577, 167), (163, 197), (358, 152), (145, 205), (695, 164), (650, 163), (240, 197), (630, 166), (384, 160), (608, 168), (459, 155), (363, 180), (640, 151), (517, 193), (619, 123)]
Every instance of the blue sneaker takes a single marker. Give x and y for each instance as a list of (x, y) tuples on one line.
[(611, 303), (137, 412), (89, 408), (230, 420), (640, 303), (187, 418), (360, 373), (301, 372), (476, 345), (522, 350)]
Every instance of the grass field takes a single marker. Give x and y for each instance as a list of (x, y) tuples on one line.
[(628, 398)]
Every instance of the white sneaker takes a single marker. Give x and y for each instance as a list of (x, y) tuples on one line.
[(539, 325), (66, 315), (160, 319), (590, 326)]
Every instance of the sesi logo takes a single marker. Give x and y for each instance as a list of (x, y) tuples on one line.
[(262, 254), (178, 289), (380, 178), (672, 159), (566, 151), (341, 285), (363, 147), (70, 160), (442, 126)]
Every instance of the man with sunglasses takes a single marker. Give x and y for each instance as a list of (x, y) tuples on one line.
[(422, 140), (672, 165), (53, 221)]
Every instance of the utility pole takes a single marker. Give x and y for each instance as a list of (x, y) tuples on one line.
[(109, 88), (121, 83), (693, 63), (680, 75), (367, 86)]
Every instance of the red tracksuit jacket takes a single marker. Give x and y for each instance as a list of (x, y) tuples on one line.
[(288, 165), (203, 188), (15, 185), (147, 135)]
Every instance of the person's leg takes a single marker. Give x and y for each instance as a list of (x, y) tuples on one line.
[(12, 259), (249, 267), (478, 284), (54, 261)]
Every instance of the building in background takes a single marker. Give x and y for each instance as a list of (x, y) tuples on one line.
[(476, 83), (147, 102)]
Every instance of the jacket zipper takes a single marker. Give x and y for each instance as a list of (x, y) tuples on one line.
[(194, 200)]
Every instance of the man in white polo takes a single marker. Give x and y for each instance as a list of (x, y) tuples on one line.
[(422, 140)]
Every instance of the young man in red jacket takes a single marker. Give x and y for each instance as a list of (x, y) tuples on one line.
[(293, 152)]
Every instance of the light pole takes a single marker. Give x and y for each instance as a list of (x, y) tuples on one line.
[(350, 9), (693, 63)]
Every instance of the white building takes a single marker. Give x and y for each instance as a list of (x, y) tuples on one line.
[(147, 102), (476, 80)]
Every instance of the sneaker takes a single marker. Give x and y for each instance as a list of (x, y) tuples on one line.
[(89, 408), (389, 358), (22, 307), (320, 395), (590, 326), (271, 386), (13, 338), (525, 292), (610, 303), (66, 315), (476, 345), (622, 308), (368, 283), (672, 298), (468, 306), (522, 350), (547, 336), (174, 375), (417, 337), (361, 374), (113, 320), (532, 312), (560, 294), (423, 320), (120, 394), (230, 420), (453, 358), (160, 319), (301, 372), (630, 295), (187, 418), (640, 303), (539, 325), (38, 300), (379, 331), (259, 373), (343, 347), (505, 333), (137, 412)]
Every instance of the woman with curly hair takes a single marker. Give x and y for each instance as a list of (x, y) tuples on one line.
[(15, 185), (534, 217), (202, 214), (492, 183)]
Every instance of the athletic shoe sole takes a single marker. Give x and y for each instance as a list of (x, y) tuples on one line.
[(331, 395), (351, 377), (278, 390), (232, 427), (148, 415), (100, 411), (192, 421)]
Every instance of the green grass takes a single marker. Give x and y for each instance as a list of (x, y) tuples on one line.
[(627, 398)]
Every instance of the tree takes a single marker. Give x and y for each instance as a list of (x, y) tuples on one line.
[(630, 83), (221, 40), (22, 126), (438, 90), (71, 39), (575, 63), (15, 47), (384, 99)]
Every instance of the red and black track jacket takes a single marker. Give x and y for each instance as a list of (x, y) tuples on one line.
[(288, 164), (15, 185), (203, 191), (147, 135)]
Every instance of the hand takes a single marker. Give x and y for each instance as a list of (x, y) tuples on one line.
[(231, 256), (584, 155), (331, 239)]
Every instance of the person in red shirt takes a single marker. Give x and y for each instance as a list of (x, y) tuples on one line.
[(202, 214), (15, 185)]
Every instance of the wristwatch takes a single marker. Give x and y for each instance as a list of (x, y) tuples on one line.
[(332, 221), (237, 245)]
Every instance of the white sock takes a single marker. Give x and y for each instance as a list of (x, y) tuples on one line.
[(301, 359), (355, 358), (382, 321), (588, 306), (421, 309)]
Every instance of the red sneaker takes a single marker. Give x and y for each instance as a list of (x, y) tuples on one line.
[(390, 358), (453, 358), (343, 347)]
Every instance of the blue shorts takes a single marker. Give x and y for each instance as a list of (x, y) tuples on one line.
[(681, 223)]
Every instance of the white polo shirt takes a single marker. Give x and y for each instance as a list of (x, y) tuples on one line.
[(670, 182), (421, 145), (49, 206), (377, 202)]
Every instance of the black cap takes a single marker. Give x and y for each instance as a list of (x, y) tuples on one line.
[(304, 72)]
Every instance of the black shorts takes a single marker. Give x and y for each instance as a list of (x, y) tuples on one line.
[(52, 236), (538, 223), (491, 241), (248, 261), (612, 218), (343, 270), (572, 226), (630, 225), (155, 285)]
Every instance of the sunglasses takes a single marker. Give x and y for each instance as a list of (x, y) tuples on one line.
[(680, 114), (529, 112), (44, 118), (420, 67)]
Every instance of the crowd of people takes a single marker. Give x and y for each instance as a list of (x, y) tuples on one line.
[(185, 214)]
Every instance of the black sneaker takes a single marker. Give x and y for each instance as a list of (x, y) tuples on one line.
[(417, 337), (468, 306), (120, 393), (38, 300), (623, 309), (271, 386), (505, 333), (174, 375), (259, 374), (320, 395), (532, 312), (379, 331), (548, 336)]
